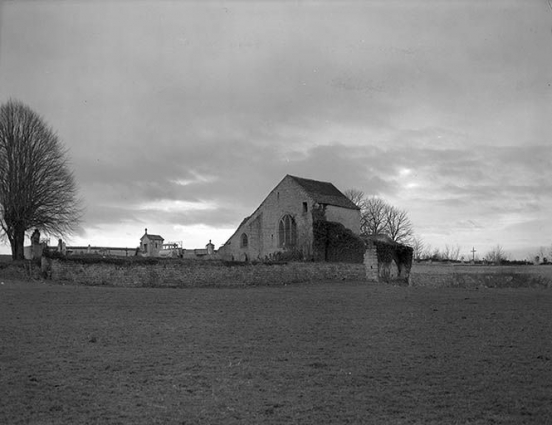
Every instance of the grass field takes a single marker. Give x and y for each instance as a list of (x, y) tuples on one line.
[(325, 353)]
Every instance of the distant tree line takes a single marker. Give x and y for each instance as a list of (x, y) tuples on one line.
[(453, 253), (423, 251)]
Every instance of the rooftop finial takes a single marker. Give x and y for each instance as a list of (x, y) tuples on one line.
[(146, 230)]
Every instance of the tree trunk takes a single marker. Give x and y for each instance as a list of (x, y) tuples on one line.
[(17, 243)]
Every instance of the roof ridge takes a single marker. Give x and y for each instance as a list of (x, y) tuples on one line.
[(312, 180)]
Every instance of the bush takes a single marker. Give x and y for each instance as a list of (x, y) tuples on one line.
[(285, 256)]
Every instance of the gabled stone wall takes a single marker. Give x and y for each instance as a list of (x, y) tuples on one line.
[(261, 227)]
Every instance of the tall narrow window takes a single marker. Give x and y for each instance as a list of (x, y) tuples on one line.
[(287, 232), (305, 207), (244, 240)]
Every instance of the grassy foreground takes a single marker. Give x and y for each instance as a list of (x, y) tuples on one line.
[(326, 353)]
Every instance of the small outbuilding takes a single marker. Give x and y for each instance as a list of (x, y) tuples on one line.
[(151, 245)]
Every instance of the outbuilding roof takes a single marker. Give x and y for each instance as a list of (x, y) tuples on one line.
[(153, 237)]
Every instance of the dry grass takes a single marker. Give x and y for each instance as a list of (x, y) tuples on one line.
[(323, 353), (471, 276)]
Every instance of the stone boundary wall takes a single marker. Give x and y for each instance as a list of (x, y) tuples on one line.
[(20, 270), (178, 273), (190, 273), (439, 275)]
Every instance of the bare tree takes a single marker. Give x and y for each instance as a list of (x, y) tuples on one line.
[(455, 252), (377, 217), (451, 252), (37, 188), (418, 246), (374, 215), (371, 211), (398, 225), (496, 255), (356, 196), (426, 252)]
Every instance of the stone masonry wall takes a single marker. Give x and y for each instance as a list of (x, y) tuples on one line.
[(371, 264), (178, 273)]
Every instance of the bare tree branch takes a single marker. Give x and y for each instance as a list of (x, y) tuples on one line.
[(356, 196), (496, 255), (418, 247), (398, 225), (374, 216), (377, 217)]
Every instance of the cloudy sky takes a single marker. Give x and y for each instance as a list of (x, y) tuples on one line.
[(181, 116)]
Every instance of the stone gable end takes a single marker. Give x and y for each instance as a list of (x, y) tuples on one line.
[(258, 237)]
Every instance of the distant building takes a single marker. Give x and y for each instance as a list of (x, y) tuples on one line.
[(207, 253), (151, 245), (210, 248)]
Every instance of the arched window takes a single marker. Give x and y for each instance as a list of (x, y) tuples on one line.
[(244, 240), (287, 232)]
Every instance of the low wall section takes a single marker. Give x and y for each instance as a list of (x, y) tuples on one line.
[(178, 273)]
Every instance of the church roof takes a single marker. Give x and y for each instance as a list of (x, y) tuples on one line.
[(324, 193)]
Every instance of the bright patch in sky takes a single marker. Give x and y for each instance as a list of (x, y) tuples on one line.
[(196, 178), (404, 172), (167, 205)]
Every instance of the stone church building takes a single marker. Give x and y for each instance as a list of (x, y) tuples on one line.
[(302, 219)]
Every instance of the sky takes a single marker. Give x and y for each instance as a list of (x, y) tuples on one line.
[(181, 116)]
